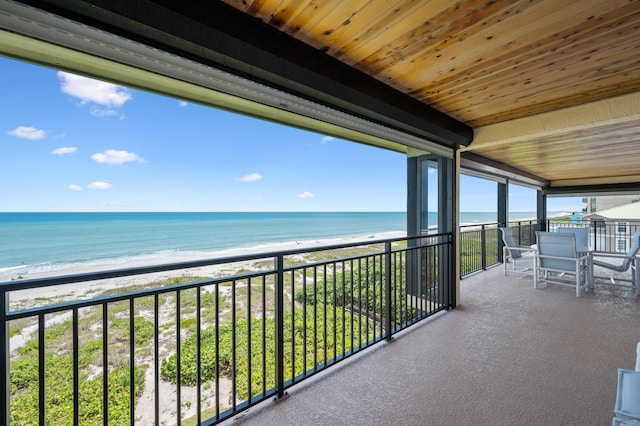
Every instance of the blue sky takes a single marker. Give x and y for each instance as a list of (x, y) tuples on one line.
[(75, 144)]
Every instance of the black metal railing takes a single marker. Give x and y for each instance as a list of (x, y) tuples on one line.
[(201, 346), (604, 235), (481, 245)]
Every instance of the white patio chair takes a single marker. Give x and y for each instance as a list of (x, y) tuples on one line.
[(513, 252), (557, 257), (629, 262), (628, 395)]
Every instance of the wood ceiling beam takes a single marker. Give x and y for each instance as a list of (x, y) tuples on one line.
[(217, 35)]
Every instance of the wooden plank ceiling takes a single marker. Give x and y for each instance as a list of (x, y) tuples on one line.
[(572, 65)]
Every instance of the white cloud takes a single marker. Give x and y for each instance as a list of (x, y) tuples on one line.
[(99, 185), (104, 112), (115, 157), (253, 177), (327, 139), (65, 150), (26, 132), (305, 195), (89, 90), (74, 187), (183, 104)]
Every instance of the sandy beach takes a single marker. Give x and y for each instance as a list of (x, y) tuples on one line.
[(214, 270)]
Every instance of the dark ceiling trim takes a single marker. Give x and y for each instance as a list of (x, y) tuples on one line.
[(213, 33), (473, 161), (608, 189)]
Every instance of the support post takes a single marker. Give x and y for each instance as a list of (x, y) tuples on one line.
[(541, 207), (503, 214)]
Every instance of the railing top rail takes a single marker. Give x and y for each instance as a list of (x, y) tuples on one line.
[(27, 284), (496, 224)]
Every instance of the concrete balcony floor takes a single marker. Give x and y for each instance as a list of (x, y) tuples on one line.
[(509, 355)]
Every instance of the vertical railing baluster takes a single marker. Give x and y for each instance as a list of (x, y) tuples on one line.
[(483, 247), (344, 313), (387, 287), (293, 331), (373, 296), (199, 354), (315, 318), (234, 328), (132, 362), (264, 335), (105, 364), (42, 367), (353, 317), (324, 311), (366, 295), (335, 321), (156, 358), (304, 322), (217, 350), (280, 325), (76, 367), (178, 362), (249, 357)]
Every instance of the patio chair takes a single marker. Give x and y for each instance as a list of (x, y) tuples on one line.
[(582, 237), (628, 395), (557, 257), (513, 252), (619, 421), (629, 262)]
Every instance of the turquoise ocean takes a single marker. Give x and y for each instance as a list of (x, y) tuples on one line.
[(51, 242)]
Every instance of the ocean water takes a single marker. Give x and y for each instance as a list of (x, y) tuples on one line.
[(49, 242), (45, 242)]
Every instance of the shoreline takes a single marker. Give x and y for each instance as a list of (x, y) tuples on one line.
[(110, 264)]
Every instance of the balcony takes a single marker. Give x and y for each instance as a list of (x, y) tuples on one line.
[(340, 329), (202, 341), (509, 355)]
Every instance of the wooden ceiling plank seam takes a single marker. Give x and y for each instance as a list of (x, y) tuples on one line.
[(518, 34), (581, 150), (384, 29), (440, 56), (569, 158), (263, 9), (600, 89), (432, 35), (554, 74), (566, 63), (284, 13), (241, 5), (554, 90), (513, 60), (366, 18), (310, 15), (573, 100), (390, 30), (335, 25), (591, 71)]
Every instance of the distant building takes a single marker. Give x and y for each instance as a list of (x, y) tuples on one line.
[(614, 227), (606, 202)]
